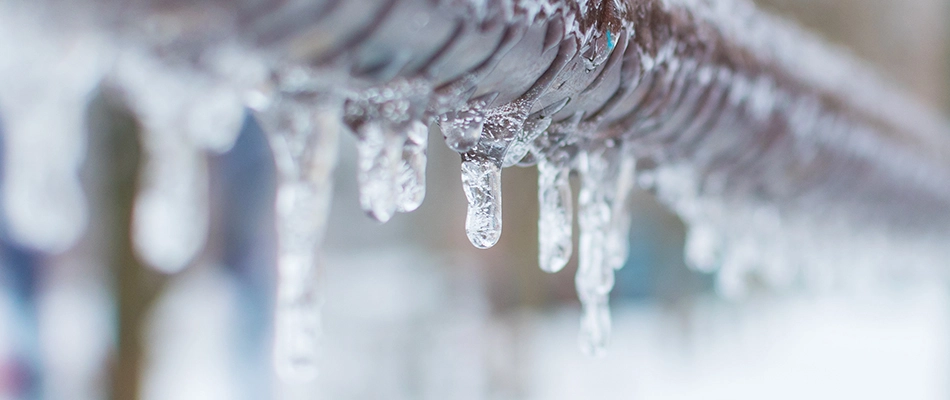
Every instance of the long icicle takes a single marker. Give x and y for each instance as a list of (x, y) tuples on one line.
[(595, 274), (303, 138)]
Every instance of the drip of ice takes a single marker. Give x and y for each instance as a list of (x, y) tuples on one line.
[(481, 181), (391, 147), (380, 154), (412, 172), (46, 78), (303, 137), (183, 112), (555, 219), (605, 172)]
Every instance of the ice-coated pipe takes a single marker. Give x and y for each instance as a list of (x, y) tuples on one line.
[(759, 109)]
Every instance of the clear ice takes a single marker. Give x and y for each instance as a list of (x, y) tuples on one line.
[(618, 235), (463, 128), (412, 171), (555, 216), (380, 153), (735, 151), (599, 252), (481, 181)]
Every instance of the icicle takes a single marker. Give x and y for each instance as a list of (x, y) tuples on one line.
[(595, 275), (618, 237), (702, 247), (740, 259), (303, 138), (391, 146), (184, 111), (481, 172), (412, 175), (595, 327), (380, 154), (481, 181), (555, 219), (171, 210), (46, 78)]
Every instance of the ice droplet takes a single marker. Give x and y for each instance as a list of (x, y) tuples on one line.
[(303, 138), (463, 128), (412, 173), (380, 152), (481, 181), (555, 219)]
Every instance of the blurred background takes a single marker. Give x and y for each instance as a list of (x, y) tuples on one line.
[(412, 311)]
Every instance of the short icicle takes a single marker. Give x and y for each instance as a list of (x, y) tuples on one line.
[(303, 138), (380, 152), (555, 219), (392, 145), (412, 171), (481, 181)]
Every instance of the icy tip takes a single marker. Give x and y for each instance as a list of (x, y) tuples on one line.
[(481, 180)]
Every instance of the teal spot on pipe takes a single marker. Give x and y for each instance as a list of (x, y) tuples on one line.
[(610, 41)]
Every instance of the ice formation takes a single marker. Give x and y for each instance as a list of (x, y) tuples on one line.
[(303, 132), (769, 156)]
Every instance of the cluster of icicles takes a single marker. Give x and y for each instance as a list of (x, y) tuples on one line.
[(187, 108), (190, 105)]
